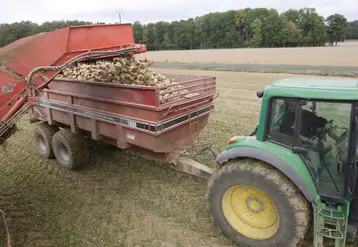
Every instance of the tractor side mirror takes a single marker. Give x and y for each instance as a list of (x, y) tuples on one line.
[(260, 93)]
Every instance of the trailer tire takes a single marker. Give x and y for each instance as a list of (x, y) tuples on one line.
[(42, 139), (70, 149), (270, 210)]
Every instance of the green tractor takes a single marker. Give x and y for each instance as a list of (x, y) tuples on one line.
[(296, 173)]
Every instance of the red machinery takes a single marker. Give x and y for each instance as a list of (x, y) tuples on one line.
[(27, 56), (123, 115)]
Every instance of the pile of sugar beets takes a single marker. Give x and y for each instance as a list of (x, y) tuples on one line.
[(126, 70)]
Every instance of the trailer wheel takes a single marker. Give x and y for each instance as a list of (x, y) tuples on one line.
[(70, 149), (255, 205), (42, 139)]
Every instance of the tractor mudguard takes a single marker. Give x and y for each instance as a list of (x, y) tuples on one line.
[(292, 165)]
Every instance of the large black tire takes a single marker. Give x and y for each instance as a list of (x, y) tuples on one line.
[(70, 149), (42, 139), (281, 195)]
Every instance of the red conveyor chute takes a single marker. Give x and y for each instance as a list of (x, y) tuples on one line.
[(21, 58)]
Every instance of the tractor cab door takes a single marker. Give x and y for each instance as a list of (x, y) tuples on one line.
[(323, 134)]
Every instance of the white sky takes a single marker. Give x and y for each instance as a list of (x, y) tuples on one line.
[(153, 10)]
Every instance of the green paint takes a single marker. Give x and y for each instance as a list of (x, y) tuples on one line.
[(314, 88), (334, 217), (261, 127), (305, 88), (282, 153)]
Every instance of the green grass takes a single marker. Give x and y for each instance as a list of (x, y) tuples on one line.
[(2, 232), (119, 198)]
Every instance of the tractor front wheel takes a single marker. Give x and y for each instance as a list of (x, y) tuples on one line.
[(70, 149), (255, 205)]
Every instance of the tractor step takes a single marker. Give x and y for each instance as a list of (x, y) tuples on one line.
[(331, 233), (331, 214), (331, 224)]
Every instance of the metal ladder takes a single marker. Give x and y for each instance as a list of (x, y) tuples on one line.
[(331, 223)]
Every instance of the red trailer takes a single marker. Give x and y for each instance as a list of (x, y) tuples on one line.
[(126, 116), (123, 115), (29, 64)]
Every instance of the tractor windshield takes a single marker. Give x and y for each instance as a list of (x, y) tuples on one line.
[(322, 129)]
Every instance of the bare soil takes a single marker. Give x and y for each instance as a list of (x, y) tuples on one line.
[(120, 198), (345, 54)]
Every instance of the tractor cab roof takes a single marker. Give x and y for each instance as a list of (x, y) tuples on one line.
[(314, 88)]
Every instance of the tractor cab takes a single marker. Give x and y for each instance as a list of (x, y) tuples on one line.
[(317, 120), (319, 131), (296, 169)]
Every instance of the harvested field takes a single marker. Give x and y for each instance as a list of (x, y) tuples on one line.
[(345, 54), (119, 198)]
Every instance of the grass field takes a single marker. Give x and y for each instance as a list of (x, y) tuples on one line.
[(345, 54), (119, 198)]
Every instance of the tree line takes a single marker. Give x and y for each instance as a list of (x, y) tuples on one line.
[(249, 27)]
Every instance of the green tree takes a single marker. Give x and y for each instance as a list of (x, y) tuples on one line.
[(337, 28), (138, 32), (258, 27), (201, 37), (286, 31), (307, 27), (292, 15), (145, 36), (152, 37), (256, 30), (240, 28), (167, 43), (352, 30), (318, 31), (272, 28)]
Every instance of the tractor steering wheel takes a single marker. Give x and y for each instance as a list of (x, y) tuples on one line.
[(324, 129)]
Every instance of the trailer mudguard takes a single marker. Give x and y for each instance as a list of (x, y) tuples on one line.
[(276, 155)]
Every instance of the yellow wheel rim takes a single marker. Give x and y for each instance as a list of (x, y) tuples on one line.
[(250, 212)]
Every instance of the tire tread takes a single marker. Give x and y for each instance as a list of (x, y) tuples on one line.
[(48, 131), (77, 146), (285, 187)]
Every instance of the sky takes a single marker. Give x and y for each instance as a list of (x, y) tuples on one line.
[(147, 11)]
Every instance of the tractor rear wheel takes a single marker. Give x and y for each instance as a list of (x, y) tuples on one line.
[(42, 139), (70, 149), (255, 205)]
